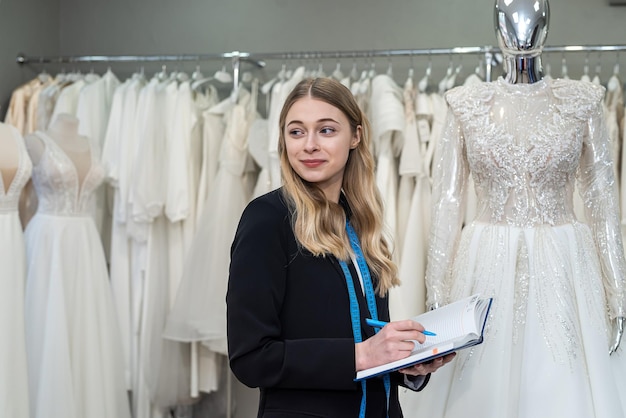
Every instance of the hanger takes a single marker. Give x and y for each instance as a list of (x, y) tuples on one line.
[(43, 76), (614, 83), (564, 68), (337, 74), (221, 76), (480, 70), (450, 82), (548, 71), (197, 74), (372, 71), (280, 77), (596, 77), (354, 72), (389, 65), (162, 75), (443, 84), (423, 83), (585, 76), (411, 73), (320, 68)]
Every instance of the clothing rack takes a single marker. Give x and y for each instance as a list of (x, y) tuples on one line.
[(491, 56)]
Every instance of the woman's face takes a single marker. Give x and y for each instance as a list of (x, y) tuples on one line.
[(318, 139)]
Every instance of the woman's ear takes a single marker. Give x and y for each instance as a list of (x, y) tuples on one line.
[(356, 138)]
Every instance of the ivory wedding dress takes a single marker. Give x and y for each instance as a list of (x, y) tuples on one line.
[(13, 371), (76, 366), (556, 280)]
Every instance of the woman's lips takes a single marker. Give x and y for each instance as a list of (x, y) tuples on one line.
[(312, 163)]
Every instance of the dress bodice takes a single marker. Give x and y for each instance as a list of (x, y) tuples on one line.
[(526, 144), (528, 147), (59, 189), (9, 198)]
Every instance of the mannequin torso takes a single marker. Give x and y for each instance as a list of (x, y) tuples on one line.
[(64, 132), (9, 156)]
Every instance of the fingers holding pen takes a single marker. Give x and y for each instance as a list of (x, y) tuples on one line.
[(406, 325), (393, 342)]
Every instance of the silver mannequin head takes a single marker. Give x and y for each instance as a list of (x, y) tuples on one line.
[(522, 26)]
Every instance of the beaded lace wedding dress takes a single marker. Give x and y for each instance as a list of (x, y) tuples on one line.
[(13, 369), (557, 280), (76, 367)]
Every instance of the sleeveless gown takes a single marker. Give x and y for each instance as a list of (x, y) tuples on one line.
[(76, 367), (13, 371)]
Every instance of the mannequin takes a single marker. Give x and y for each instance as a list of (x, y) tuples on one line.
[(531, 144), (9, 156), (72, 333), (15, 170), (64, 131), (521, 29)]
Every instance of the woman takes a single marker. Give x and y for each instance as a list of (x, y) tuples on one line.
[(296, 302)]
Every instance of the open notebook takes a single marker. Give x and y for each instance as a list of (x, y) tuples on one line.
[(458, 325)]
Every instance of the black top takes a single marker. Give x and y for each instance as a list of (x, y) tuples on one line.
[(289, 324)]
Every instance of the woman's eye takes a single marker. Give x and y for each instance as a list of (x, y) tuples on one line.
[(295, 132), (327, 130)]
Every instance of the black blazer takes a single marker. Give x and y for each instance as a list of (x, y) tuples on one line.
[(289, 324)]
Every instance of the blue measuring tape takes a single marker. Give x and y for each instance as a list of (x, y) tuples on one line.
[(354, 307)]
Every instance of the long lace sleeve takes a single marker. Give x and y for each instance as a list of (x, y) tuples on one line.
[(598, 189), (450, 174)]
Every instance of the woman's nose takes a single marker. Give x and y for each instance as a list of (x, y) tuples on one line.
[(311, 143)]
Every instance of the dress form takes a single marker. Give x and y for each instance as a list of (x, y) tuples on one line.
[(71, 330), (64, 131), (15, 171), (522, 28), (9, 156)]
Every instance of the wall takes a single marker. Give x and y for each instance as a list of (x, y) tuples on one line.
[(25, 25), (196, 26)]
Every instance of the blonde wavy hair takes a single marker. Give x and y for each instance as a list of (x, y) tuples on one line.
[(319, 224)]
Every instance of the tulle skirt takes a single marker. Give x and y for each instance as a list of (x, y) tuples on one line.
[(546, 347), (76, 366), (13, 371)]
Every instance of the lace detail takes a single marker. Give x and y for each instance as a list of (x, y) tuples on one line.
[(523, 144), (59, 190), (527, 147), (9, 199)]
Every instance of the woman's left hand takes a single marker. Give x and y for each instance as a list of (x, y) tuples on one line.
[(432, 366)]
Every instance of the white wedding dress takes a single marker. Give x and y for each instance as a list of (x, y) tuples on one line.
[(76, 365), (13, 371), (556, 281)]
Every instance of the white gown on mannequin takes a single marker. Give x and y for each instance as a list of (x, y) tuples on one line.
[(76, 365), (555, 280), (13, 372)]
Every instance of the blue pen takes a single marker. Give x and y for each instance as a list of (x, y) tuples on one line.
[(380, 324)]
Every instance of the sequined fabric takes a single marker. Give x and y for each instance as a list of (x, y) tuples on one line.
[(545, 244), (529, 148)]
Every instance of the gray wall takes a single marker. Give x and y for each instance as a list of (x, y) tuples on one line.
[(192, 26), (25, 26)]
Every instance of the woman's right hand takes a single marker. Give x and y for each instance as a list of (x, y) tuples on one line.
[(393, 342)]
